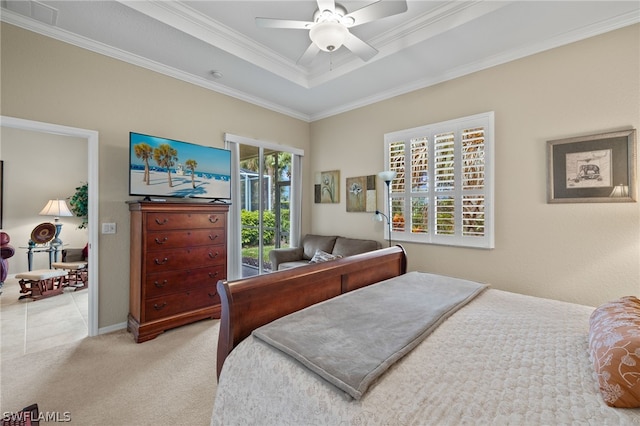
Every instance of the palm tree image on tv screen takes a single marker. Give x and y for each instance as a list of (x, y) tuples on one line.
[(160, 167)]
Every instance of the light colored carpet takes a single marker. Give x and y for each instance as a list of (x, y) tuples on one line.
[(111, 380)]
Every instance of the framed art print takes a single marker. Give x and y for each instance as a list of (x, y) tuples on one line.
[(327, 187), (592, 169), (361, 194)]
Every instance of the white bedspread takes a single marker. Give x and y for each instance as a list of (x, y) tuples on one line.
[(503, 359)]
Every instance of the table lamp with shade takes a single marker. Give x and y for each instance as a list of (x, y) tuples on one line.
[(56, 208), (620, 191)]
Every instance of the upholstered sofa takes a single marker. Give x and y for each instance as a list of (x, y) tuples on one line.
[(317, 248), (6, 251)]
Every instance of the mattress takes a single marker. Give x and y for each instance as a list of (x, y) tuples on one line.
[(504, 358)]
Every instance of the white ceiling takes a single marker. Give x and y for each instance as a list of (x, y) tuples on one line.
[(433, 41)]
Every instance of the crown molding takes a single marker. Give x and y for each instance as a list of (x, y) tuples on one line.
[(392, 37), (593, 30), (103, 49), (189, 21)]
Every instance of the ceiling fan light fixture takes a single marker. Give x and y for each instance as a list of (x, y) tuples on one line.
[(347, 20), (328, 35)]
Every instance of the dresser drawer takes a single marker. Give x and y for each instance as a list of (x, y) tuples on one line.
[(185, 258), (162, 283), (162, 240), (177, 303), (160, 220)]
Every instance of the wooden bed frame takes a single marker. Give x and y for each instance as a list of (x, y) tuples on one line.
[(253, 302)]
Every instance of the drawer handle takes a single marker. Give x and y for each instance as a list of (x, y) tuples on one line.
[(213, 219), (213, 237), (213, 275), (161, 262), (213, 256), (159, 307), (212, 295), (163, 222), (160, 284), (164, 240)]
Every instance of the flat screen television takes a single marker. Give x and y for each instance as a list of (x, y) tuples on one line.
[(160, 168)]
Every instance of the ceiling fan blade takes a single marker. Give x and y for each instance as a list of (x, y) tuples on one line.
[(326, 5), (283, 23), (377, 10), (309, 54), (363, 49)]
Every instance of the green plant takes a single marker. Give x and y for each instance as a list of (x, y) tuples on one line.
[(250, 221), (79, 202)]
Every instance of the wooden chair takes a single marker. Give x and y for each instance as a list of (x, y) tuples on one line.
[(74, 262)]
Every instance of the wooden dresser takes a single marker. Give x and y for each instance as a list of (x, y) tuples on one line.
[(178, 254)]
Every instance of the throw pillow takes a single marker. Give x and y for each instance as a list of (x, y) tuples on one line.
[(322, 256), (614, 349)]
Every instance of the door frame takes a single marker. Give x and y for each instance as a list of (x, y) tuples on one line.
[(92, 179)]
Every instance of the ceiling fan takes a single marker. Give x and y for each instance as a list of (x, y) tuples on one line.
[(329, 29)]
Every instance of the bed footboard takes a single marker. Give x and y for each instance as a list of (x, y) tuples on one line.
[(253, 302)]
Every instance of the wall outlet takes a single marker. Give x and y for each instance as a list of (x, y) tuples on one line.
[(108, 228)]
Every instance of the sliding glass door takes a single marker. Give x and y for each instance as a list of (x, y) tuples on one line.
[(265, 197), (266, 203)]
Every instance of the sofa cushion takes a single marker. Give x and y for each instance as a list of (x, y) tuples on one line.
[(313, 243), (293, 264), (350, 246), (6, 249), (323, 256)]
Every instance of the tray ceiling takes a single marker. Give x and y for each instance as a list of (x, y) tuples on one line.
[(217, 45)]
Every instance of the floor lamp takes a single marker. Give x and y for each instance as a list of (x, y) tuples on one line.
[(387, 176)]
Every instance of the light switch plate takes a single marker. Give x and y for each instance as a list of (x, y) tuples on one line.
[(108, 228)]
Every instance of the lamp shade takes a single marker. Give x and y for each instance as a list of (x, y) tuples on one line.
[(56, 208), (387, 175), (620, 191), (328, 35)]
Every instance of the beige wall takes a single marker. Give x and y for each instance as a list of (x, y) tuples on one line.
[(586, 253), (53, 82), (38, 167)]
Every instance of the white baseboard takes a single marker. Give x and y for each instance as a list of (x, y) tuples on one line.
[(114, 327)]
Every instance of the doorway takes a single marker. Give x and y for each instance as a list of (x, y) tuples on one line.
[(91, 138)]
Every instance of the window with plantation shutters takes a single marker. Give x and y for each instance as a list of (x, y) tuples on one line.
[(443, 190)]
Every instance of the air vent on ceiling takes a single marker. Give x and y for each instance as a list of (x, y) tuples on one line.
[(33, 9)]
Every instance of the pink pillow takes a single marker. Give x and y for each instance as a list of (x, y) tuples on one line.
[(614, 348)]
